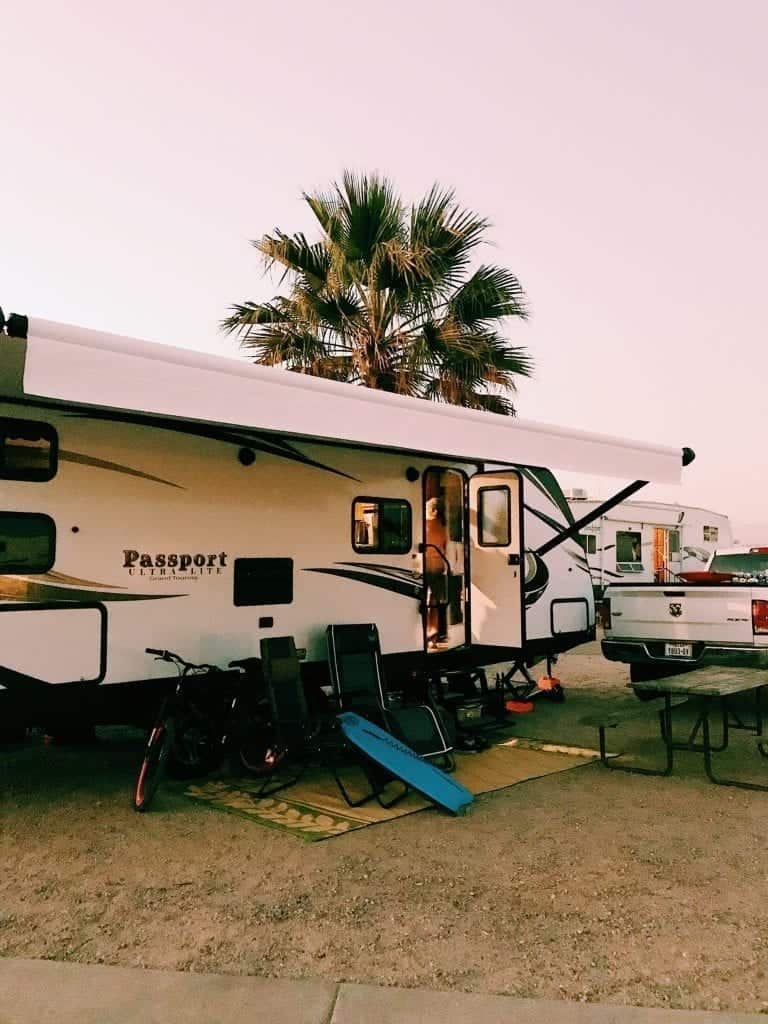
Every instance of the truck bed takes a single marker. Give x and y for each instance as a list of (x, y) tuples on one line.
[(686, 624)]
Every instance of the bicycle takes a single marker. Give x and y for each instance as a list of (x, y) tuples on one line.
[(196, 728), (186, 738)]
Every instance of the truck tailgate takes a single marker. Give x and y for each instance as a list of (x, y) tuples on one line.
[(712, 614)]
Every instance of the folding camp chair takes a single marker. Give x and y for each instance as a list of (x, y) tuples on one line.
[(354, 657), (301, 739)]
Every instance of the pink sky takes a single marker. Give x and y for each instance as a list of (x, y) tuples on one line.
[(620, 150)]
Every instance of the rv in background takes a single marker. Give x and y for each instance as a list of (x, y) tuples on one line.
[(648, 541), (157, 497)]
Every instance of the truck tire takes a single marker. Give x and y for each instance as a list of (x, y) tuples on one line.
[(12, 734), (643, 674)]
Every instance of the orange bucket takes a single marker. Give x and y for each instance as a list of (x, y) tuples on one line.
[(519, 707), (549, 683)]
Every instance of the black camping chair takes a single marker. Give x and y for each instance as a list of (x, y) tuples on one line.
[(301, 738), (354, 657)]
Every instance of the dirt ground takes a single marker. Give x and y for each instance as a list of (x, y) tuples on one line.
[(585, 885)]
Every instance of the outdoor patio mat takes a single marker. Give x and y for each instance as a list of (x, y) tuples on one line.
[(313, 809)]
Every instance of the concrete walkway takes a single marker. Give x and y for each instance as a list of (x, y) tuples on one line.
[(48, 992)]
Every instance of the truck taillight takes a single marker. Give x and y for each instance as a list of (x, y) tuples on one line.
[(605, 613), (760, 616)]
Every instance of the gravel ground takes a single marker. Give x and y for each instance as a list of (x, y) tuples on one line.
[(585, 885)]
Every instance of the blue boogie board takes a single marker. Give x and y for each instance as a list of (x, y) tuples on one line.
[(405, 763)]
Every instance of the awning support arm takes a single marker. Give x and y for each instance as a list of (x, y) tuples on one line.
[(579, 525), (688, 456)]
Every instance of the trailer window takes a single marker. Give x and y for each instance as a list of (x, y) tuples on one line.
[(629, 552), (494, 517), (27, 450), (27, 543), (589, 542), (711, 534), (381, 526), (263, 581)]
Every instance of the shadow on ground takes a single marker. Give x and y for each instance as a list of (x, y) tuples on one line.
[(587, 885)]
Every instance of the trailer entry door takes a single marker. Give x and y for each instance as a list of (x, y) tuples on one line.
[(445, 552), (496, 577)]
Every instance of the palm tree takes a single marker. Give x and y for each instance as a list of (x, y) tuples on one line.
[(386, 299)]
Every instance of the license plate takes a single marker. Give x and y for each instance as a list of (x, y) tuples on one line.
[(678, 650)]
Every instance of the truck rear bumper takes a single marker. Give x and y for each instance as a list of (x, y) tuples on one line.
[(651, 652)]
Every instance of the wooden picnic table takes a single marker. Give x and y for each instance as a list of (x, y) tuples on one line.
[(713, 681), (712, 690)]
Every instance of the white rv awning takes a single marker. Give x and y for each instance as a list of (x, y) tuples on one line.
[(71, 364)]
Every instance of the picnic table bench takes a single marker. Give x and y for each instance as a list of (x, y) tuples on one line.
[(712, 689), (611, 719)]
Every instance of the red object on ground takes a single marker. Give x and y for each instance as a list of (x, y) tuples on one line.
[(519, 707), (549, 683)]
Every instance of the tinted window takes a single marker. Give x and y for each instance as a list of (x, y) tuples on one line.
[(381, 526), (629, 553), (746, 563), (589, 542), (263, 581), (494, 517), (27, 542), (711, 534), (27, 450)]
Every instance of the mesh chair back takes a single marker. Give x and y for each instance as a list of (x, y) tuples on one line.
[(354, 657), (282, 675)]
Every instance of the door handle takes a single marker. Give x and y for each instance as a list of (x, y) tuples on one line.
[(513, 559)]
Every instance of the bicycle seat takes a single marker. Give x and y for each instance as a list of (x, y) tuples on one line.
[(246, 664)]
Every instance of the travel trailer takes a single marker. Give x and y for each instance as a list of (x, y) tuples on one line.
[(158, 497), (648, 541)]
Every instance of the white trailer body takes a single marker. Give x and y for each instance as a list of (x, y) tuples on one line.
[(648, 541), (157, 497)]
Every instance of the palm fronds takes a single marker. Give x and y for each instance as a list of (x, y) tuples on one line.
[(387, 298)]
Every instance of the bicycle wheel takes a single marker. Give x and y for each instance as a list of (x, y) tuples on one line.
[(196, 747), (257, 752), (153, 765)]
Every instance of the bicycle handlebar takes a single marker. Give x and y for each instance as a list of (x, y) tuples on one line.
[(179, 662)]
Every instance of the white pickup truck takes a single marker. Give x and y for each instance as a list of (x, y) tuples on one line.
[(715, 617)]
